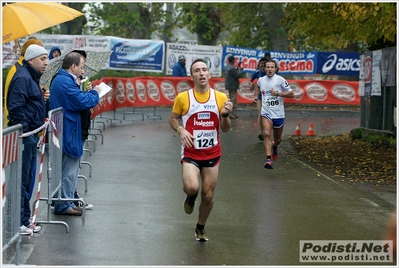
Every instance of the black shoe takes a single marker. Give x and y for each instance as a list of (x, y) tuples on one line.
[(189, 203), (76, 195), (200, 235)]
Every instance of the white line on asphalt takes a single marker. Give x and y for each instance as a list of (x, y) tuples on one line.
[(332, 180), (370, 202), (25, 252), (315, 170)]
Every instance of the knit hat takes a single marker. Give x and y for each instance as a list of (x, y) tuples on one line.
[(34, 51), (181, 57)]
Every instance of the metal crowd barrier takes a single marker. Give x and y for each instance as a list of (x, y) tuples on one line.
[(54, 167), (11, 194)]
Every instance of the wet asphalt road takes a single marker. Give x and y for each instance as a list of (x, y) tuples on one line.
[(259, 215)]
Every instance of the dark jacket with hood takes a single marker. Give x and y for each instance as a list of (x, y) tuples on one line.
[(50, 55)]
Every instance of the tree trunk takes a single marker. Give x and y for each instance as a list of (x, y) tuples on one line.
[(278, 37), (75, 26)]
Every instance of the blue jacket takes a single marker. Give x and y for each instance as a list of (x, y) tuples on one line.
[(179, 70), (25, 102), (258, 74), (66, 93)]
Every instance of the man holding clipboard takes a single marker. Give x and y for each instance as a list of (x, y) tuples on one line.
[(66, 93)]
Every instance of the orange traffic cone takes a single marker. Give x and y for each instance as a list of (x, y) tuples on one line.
[(298, 130), (310, 131)]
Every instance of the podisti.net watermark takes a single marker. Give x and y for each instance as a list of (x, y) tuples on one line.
[(355, 251)]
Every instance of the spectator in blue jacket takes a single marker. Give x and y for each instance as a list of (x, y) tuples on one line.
[(258, 96), (26, 106), (179, 69), (66, 93)]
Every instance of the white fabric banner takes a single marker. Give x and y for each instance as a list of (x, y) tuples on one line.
[(64, 42), (211, 54)]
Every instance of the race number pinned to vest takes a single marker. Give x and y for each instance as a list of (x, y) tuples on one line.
[(204, 139)]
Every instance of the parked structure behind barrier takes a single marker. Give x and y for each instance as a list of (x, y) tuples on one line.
[(11, 192)]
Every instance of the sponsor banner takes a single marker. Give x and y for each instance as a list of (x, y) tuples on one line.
[(289, 63), (376, 73), (338, 63), (295, 63), (248, 56), (137, 55), (150, 91), (211, 54), (346, 251), (147, 56), (63, 42)]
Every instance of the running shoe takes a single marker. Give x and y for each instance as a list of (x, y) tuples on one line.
[(79, 204), (268, 164), (260, 136), (37, 228), (189, 203), (200, 235), (274, 152), (23, 230)]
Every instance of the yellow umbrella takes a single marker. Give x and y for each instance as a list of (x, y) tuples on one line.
[(25, 18)]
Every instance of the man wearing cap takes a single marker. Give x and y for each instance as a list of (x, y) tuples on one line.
[(26, 106), (32, 40), (179, 69)]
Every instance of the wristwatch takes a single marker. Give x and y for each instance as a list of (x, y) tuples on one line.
[(277, 94)]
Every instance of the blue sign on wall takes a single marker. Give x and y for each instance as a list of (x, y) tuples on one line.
[(139, 55), (339, 63)]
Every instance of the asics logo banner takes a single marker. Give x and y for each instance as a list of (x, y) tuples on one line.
[(339, 63)]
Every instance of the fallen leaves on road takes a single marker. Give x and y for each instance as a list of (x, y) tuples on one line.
[(355, 160)]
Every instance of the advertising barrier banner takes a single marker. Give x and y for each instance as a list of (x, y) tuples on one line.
[(149, 56), (149, 91)]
